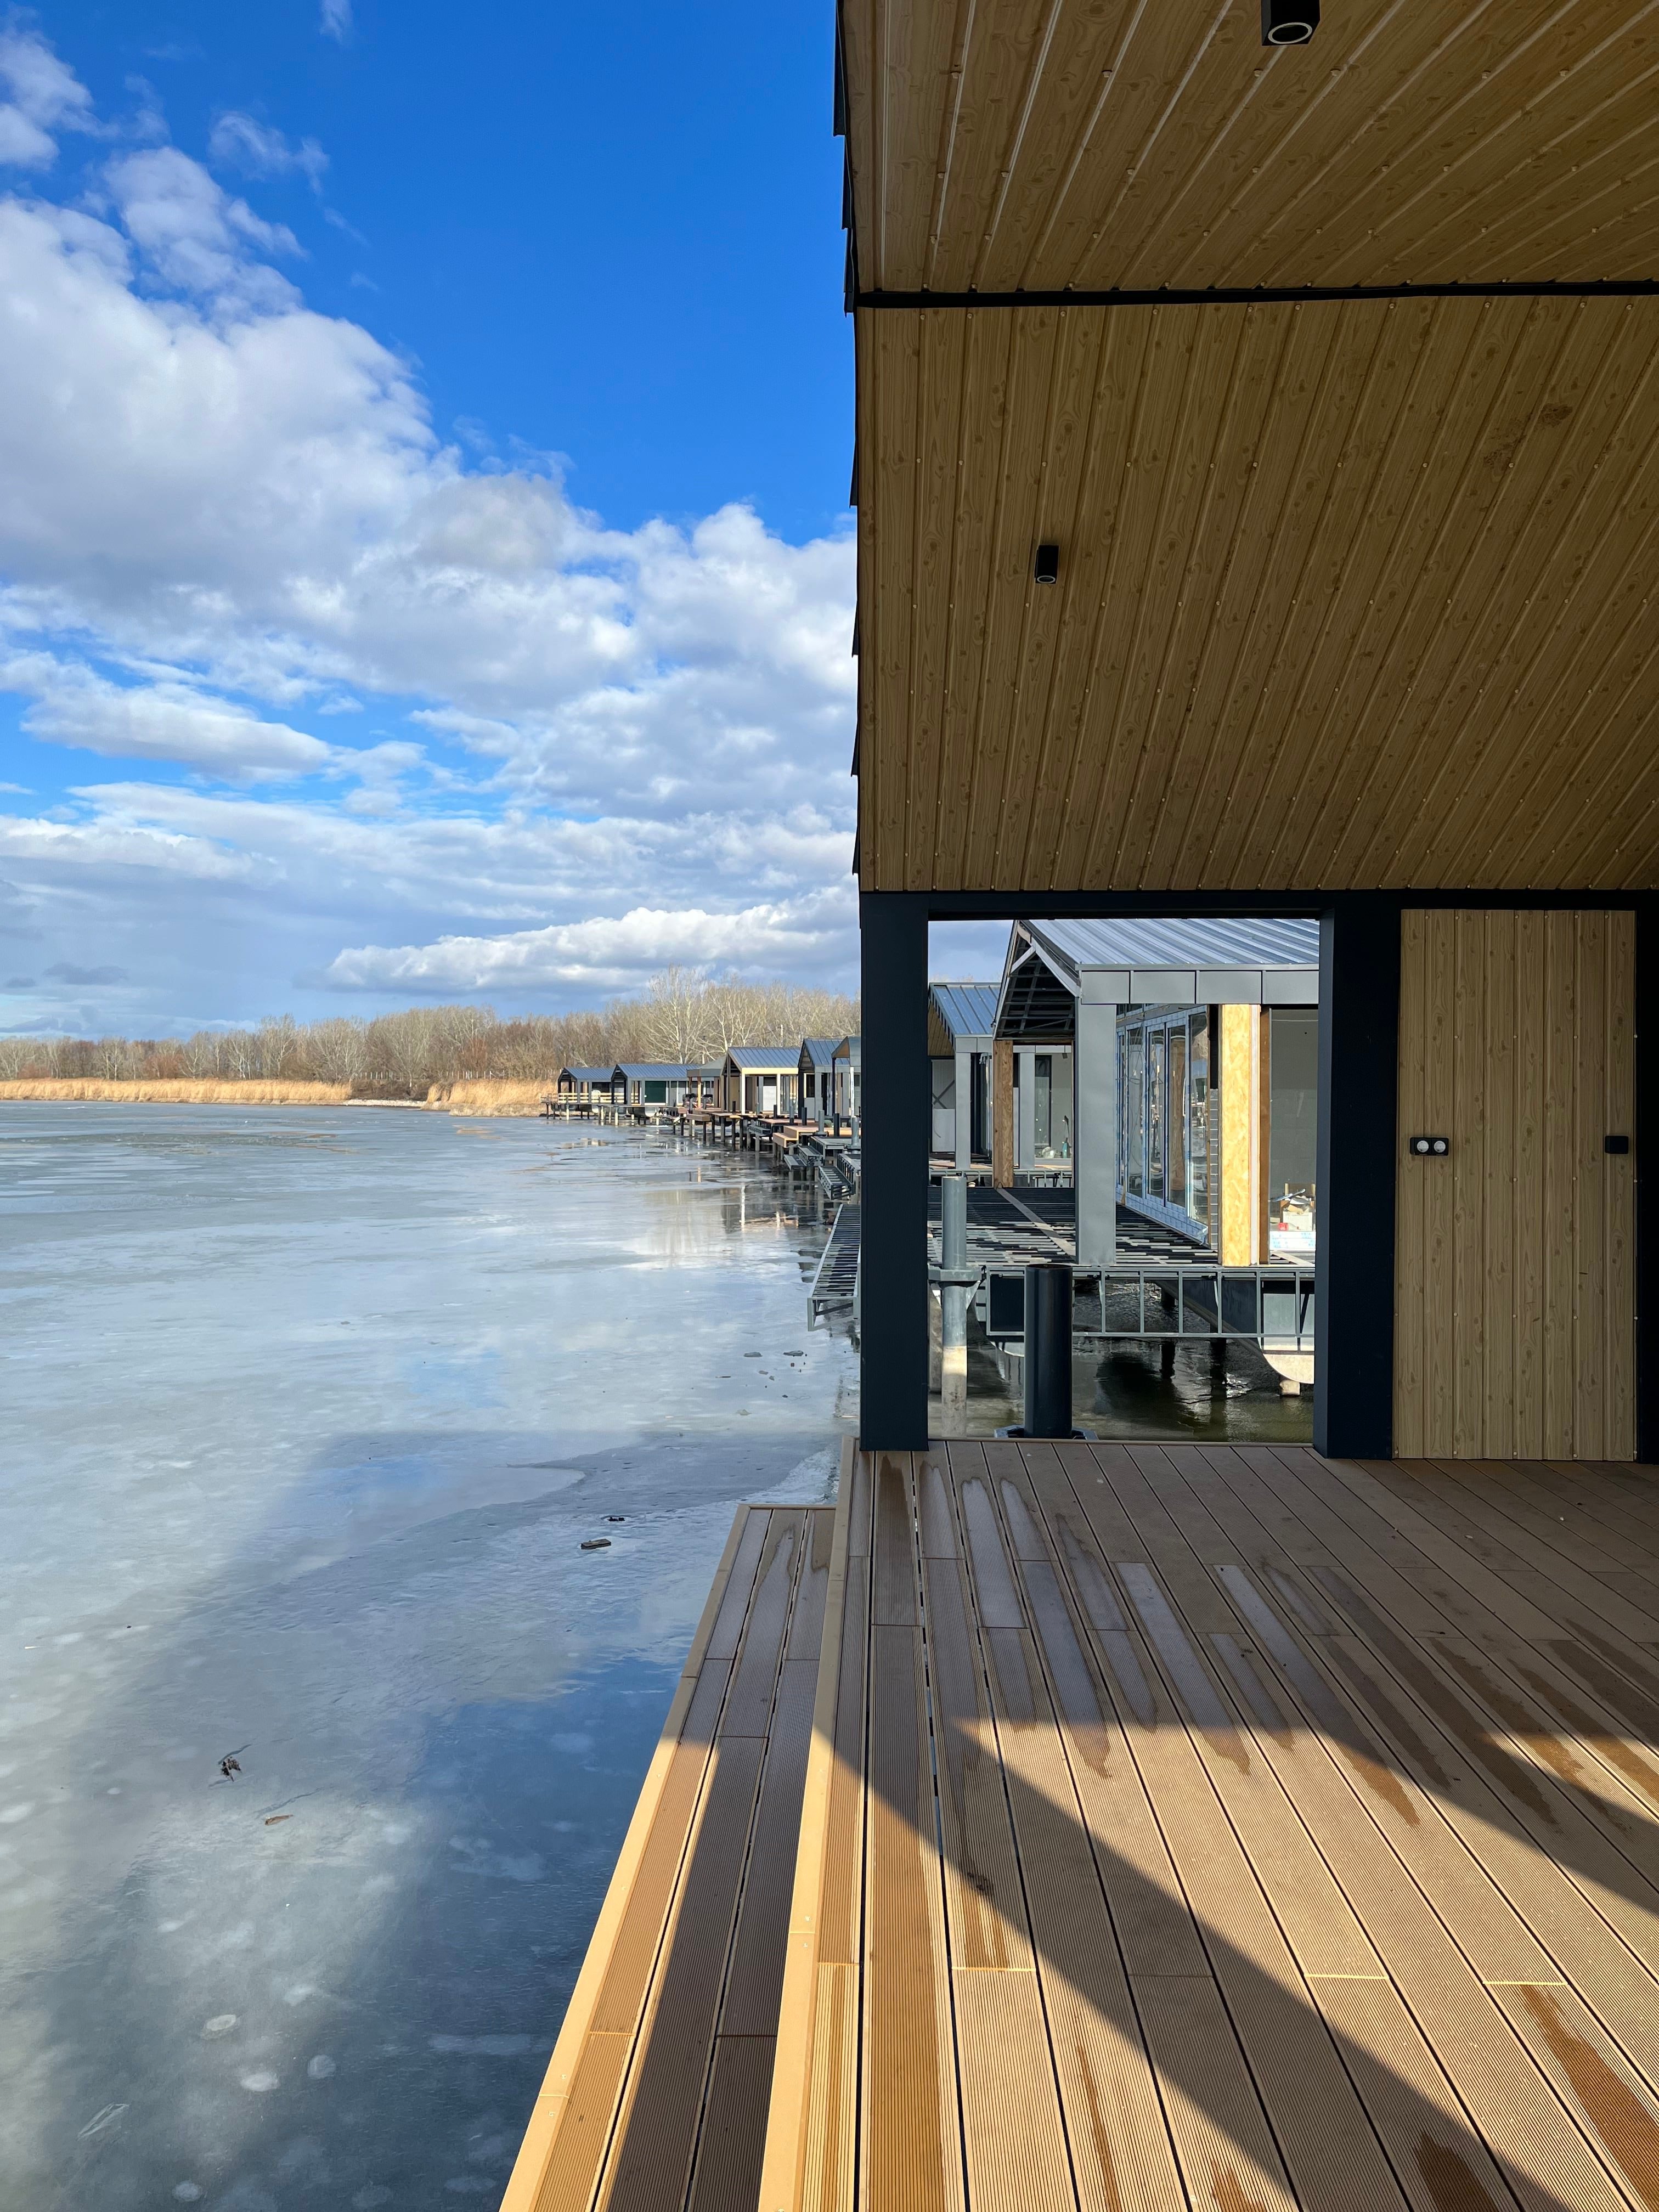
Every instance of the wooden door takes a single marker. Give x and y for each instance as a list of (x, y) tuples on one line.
[(1515, 1332)]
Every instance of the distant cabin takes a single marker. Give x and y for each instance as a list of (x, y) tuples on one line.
[(1211, 1028), (650, 1083), (816, 1077), (761, 1079), (962, 1025), (585, 1084), (703, 1083)]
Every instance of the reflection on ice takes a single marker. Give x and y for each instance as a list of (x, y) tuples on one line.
[(309, 1413)]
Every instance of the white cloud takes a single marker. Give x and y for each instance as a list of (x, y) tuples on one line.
[(253, 149), (165, 721), (786, 937), (336, 19), (43, 95), (240, 509), (193, 235)]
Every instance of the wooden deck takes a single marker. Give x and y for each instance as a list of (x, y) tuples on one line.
[(656, 2094), (1183, 1826), (1225, 1827)]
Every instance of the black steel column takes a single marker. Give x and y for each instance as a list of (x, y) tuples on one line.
[(1645, 1138), (896, 1132), (1359, 1085)]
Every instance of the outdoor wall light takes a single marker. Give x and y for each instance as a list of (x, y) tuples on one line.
[(1289, 22), (1430, 1147), (1047, 570)]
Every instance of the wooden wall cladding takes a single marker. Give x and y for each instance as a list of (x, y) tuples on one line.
[(1515, 1286), (1019, 145), (1352, 593)]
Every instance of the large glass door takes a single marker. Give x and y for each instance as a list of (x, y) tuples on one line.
[(1157, 1060)]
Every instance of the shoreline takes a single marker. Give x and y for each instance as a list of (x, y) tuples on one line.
[(478, 1097)]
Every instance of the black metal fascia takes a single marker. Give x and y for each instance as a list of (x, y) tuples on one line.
[(1221, 296)]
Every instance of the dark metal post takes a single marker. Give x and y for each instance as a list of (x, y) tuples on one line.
[(1645, 1139), (897, 1113), (1048, 1351), (1359, 1085)]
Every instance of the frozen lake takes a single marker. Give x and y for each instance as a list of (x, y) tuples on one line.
[(306, 1414)]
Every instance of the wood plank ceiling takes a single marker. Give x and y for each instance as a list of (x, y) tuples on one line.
[(1353, 592)]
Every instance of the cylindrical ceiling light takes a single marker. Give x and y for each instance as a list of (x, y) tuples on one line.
[(1289, 22), (1047, 570)]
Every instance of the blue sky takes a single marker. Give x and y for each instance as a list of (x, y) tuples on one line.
[(425, 569)]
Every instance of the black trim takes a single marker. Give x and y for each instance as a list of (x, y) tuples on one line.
[(1244, 295), (1353, 1259), (1646, 1148), (896, 1126)]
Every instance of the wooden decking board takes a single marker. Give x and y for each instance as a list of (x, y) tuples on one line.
[(649, 2073), (1582, 1944), (1139, 1829)]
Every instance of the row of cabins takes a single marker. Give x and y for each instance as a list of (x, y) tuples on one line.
[(817, 1081), (1168, 1067)]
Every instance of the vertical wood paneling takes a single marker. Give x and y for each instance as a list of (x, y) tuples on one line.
[(1515, 1286), (1438, 1191), (1411, 1379), (1531, 1040), (1618, 1171)]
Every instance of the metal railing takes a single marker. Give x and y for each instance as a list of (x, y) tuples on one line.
[(1272, 1306)]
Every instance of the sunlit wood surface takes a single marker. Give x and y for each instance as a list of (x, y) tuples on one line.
[(1208, 1827), (1027, 145), (1352, 593), (657, 2092)]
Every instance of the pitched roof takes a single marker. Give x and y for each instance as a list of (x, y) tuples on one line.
[(651, 1071), (820, 1051), (764, 1058), (586, 1074), (965, 1009)]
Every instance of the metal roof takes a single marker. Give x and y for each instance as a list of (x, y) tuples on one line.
[(1053, 964), (968, 1009), (651, 1071), (1200, 943), (586, 1074), (820, 1051), (767, 1059)]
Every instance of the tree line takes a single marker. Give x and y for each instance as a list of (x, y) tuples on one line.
[(680, 1016)]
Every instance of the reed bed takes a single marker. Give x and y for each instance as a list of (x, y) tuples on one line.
[(486, 1095), (186, 1091)]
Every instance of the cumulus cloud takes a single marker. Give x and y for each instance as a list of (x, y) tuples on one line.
[(164, 721), (42, 96), (785, 937), (242, 510)]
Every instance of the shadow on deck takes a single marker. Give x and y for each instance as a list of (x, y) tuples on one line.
[(1183, 1826)]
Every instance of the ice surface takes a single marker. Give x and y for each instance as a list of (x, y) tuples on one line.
[(308, 1414)]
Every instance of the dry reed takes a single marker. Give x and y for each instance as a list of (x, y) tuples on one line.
[(482, 1095), (185, 1092)]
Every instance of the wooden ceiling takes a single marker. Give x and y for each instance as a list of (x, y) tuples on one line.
[(1036, 145), (1353, 591)]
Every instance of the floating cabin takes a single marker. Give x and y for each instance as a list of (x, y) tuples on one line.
[(1199, 1043), (1257, 465), (816, 1086), (961, 1031), (586, 1086), (659, 1084), (760, 1079)]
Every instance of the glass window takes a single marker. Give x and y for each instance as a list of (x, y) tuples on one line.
[(1155, 1067), (1293, 1130), (1198, 1119), (1136, 1114), (1174, 1120), (1042, 1105)]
